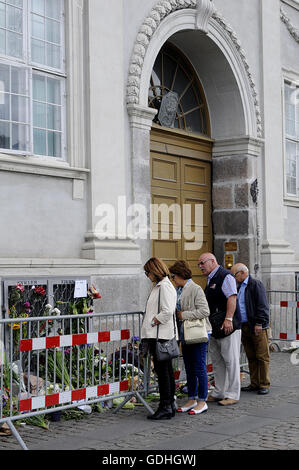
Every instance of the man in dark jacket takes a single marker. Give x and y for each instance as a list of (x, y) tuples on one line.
[(254, 311)]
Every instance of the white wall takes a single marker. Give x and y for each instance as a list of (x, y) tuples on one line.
[(39, 218), (244, 18)]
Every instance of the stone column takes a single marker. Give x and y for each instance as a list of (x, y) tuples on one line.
[(141, 120), (277, 255), (235, 215), (105, 111)]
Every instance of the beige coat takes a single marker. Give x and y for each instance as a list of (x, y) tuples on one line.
[(168, 298), (194, 304)]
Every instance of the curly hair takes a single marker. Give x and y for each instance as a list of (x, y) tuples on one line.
[(182, 269)]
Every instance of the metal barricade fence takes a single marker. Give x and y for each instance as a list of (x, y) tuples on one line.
[(56, 363), (284, 316)]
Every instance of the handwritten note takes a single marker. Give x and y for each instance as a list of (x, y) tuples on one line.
[(80, 289)]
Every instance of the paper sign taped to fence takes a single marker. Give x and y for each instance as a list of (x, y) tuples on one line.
[(80, 289)]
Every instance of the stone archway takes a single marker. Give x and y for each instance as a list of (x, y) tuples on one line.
[(236, 148), (169, 17)]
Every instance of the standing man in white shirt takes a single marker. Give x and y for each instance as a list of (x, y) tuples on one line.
[(221, 293)]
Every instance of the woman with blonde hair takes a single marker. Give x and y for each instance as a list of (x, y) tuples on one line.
[(159, 318), (192, 304)]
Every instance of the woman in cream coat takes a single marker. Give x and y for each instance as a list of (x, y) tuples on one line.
[(160, 310), (192, 304)]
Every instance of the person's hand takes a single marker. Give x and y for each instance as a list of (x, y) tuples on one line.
[(156, 321), (257, 330), (227, 326), (180, 316)]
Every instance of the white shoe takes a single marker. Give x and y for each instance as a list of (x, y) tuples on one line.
[(197, 412), (186, 408)]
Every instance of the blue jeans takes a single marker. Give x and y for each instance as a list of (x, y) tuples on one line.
[(195, 356)]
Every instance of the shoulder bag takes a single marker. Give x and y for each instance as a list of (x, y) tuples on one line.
[(195, 331), (166, 349)]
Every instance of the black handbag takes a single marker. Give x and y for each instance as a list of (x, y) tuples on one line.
[(166, 349), (216, 319)]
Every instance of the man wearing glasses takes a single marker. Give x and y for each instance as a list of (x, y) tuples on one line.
[(254, 310), (221, 293)]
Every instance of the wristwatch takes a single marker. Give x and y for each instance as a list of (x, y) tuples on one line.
[(229, 319)]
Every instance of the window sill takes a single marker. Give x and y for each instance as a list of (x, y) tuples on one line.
[(53, 267), (45, 167), (293, 202)]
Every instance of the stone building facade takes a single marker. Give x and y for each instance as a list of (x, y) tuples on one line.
[(78, 130)]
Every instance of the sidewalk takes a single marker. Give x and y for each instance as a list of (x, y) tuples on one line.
[(257, 422)]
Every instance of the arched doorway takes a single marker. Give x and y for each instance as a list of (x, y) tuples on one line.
[(181, 156), (216, 54)]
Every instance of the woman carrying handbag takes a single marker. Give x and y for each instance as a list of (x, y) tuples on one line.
[(159, 334), (193, 318)]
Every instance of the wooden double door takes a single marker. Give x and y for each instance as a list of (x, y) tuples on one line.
[(181, 181)]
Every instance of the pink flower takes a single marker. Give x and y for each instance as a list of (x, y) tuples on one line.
[(20, 287)]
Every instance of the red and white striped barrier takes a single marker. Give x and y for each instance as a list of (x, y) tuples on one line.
[(290, 304), (289, 336), (50, 342), (63, 398), (286, 303)]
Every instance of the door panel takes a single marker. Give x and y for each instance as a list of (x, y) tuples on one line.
[(168, 250), (196, 175), (165, 171), (177, 180), (168, 219), (197, 214)]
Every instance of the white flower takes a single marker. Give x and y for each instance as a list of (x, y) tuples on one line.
[(124, 366), (33, 287), (48, 307), (15, 368), (56, 311)]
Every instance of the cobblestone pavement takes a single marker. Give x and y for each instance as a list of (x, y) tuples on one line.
[(256, 422)]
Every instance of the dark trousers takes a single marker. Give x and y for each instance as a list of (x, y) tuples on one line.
[(257, 352), (195, 356), (165, 376)]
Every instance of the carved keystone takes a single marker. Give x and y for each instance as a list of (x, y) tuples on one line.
[(205, 9)]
